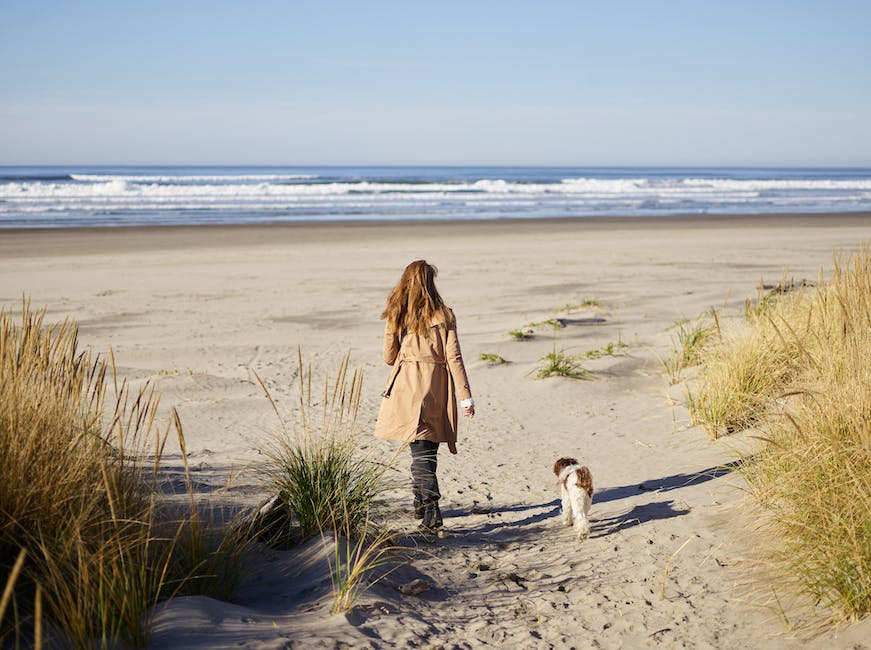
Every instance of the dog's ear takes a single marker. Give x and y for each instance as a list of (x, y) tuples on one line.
[(585, 480)]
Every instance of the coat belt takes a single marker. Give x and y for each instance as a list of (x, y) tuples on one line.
[(426, 359), (423, 359)]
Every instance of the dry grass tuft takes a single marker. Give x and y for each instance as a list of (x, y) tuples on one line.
[(800, 372), (742, 372), (689, 340), (75, 497), (356, 556), (560, 364), (314, 467), (323, 485)]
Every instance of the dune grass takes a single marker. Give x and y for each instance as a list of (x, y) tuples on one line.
[(553, 323), (324, 486), (75, 497), (745, 370), (314, 467), (356, 555), (528, 331), (492, 358), (559, 364), (584, 303), (610, 349), (521, 334), (688, 341), (799, 371)]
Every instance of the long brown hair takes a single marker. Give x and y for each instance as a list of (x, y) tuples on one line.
[(415, 304)]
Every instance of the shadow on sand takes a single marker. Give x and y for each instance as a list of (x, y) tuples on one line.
[(506, 531), (667, 483), (635, 517), (532, 524)]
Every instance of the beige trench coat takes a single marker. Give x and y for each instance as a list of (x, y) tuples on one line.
[(427, 380)]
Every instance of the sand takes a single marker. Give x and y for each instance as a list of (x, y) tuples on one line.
[(196, 309)]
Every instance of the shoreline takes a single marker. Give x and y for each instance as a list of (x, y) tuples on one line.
[(27, 242)]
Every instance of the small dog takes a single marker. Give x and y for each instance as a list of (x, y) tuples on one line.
[(576, 489)]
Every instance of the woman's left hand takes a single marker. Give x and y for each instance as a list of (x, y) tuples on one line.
[(469, 411)]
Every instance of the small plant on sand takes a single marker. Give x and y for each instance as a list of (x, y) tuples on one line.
[(560, 364), (585, 303), (528, 330), (521, 334), (491, 358), (356, 555), (172, 372), (557, 362), (608, 350), (692, 337), (553, 323), (314, 468)]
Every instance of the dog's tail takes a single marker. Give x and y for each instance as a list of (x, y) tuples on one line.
[(585, 480)]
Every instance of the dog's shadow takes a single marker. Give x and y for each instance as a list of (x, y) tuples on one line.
[(534, 523), (635, 517)]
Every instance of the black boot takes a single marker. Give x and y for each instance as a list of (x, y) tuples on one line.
[(419, 508), (432, 517)]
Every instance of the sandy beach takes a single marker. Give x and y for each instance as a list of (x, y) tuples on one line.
[(197, 309)]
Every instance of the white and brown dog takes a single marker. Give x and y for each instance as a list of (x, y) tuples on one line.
[(576, 490)]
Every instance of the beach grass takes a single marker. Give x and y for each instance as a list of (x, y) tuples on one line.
[(560, 364), (688, 341), (797, 369), (610, 349), (324, 486), (77, 500), (492, 358), (208, 552), (313, 467), (553, 323), (584, 303), (356, 555), (528, 330), (744, 370)]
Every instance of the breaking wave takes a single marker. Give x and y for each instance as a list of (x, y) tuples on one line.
[(169, 195)]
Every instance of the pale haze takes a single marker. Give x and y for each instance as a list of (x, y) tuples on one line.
[(450, 83)]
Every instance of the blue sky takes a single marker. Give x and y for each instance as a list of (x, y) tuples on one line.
[(474, 82)]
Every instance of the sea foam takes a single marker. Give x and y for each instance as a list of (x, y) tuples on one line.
[(167, 195)]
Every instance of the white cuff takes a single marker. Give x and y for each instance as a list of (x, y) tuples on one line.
[(466, 403)]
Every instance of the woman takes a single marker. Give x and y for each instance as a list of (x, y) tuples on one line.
[(420, 400)]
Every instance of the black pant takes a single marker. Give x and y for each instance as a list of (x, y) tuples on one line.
[(424, 483)]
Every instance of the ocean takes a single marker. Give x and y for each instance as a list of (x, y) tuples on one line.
[(51, 197)]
